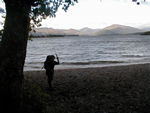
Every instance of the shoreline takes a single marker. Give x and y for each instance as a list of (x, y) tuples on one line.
[(114, 89), (96, 67), (62, 66)]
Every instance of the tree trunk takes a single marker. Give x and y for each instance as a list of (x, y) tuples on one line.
[(12, 54)]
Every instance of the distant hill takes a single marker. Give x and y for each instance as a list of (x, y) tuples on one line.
[(118, 29), (62, 32), (71, 32), (88, 31), (50, 32), (113, 29), (39, 32)]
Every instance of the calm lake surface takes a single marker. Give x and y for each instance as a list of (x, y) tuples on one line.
[(82, 52)]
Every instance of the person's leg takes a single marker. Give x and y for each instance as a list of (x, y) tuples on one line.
[(49, 82), (48, 73)]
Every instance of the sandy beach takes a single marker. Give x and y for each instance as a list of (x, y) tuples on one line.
[(115, 89)]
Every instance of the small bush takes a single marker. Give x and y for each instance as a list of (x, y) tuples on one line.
[(34, 99)]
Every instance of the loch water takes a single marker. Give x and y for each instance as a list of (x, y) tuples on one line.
[(88, 51)]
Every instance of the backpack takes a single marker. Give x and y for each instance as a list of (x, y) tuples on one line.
[(45, 65)]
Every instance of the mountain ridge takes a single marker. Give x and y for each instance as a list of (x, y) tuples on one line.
[(109, 30), (118, 29)]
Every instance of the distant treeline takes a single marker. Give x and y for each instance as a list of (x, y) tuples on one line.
[(42, 36), (146, 33)]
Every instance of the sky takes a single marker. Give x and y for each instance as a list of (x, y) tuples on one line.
[(101, 13)]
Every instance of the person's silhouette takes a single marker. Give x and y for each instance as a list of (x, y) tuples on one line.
[(49, 67)]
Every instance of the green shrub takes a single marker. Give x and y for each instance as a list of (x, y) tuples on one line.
[(34, 99)]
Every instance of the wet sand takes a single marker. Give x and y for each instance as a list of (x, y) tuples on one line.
[(115, 89)]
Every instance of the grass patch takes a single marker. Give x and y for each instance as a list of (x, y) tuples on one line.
[(34, 98)]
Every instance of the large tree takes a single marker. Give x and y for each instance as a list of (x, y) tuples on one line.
[(14, 43)]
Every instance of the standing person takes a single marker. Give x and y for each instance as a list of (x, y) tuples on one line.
[(49, 65)]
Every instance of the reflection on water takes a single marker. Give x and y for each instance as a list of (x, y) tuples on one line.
[(89, 51)]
